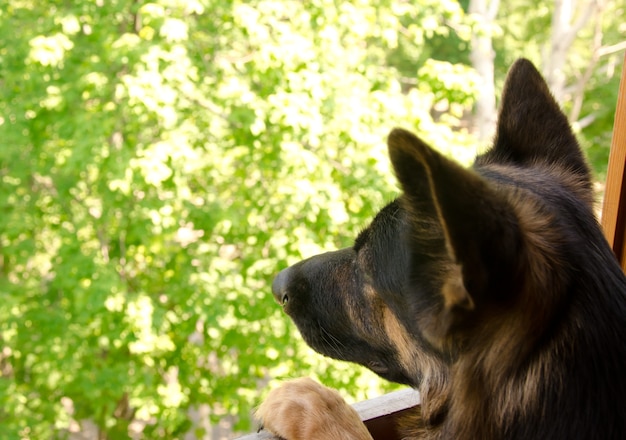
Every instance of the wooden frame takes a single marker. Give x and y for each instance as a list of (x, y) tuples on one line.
[(379, 413), (614, 206)]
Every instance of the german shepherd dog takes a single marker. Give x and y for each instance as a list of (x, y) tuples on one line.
[(491, 290)]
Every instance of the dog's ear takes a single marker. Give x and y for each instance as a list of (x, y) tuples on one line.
[(531, 126), (481, 231)]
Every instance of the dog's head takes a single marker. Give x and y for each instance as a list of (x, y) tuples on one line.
[(458, 254)]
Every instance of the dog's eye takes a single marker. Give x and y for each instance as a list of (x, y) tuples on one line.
[(377, 367), (285, 300)]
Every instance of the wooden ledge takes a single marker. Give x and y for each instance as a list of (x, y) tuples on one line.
[(378, 414)]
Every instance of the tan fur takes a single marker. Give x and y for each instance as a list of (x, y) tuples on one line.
[(400, 340), (303, 409), (434, 377), (454, 292)]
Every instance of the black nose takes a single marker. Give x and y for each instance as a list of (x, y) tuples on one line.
[(280, 286)]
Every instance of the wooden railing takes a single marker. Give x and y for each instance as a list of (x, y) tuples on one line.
[(379, 413)]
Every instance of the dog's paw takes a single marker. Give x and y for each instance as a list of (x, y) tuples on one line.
[(302, 409)]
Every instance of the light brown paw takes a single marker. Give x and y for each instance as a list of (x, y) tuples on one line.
[(302, 409)]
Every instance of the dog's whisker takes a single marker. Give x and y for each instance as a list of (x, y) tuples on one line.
[(331, 340)]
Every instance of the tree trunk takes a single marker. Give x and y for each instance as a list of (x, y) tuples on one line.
[(482, 56), (564, 32)]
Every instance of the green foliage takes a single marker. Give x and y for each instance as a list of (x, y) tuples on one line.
[(161, 161)]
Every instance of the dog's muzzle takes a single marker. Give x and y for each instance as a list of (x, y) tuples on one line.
[(316, 274)]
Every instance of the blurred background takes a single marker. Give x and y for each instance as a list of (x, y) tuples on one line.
[(161, 161)]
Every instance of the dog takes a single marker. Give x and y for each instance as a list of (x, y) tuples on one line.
[(489, 289)]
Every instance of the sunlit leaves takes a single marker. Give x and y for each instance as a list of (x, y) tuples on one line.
[(161, 161), (49, 51)]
